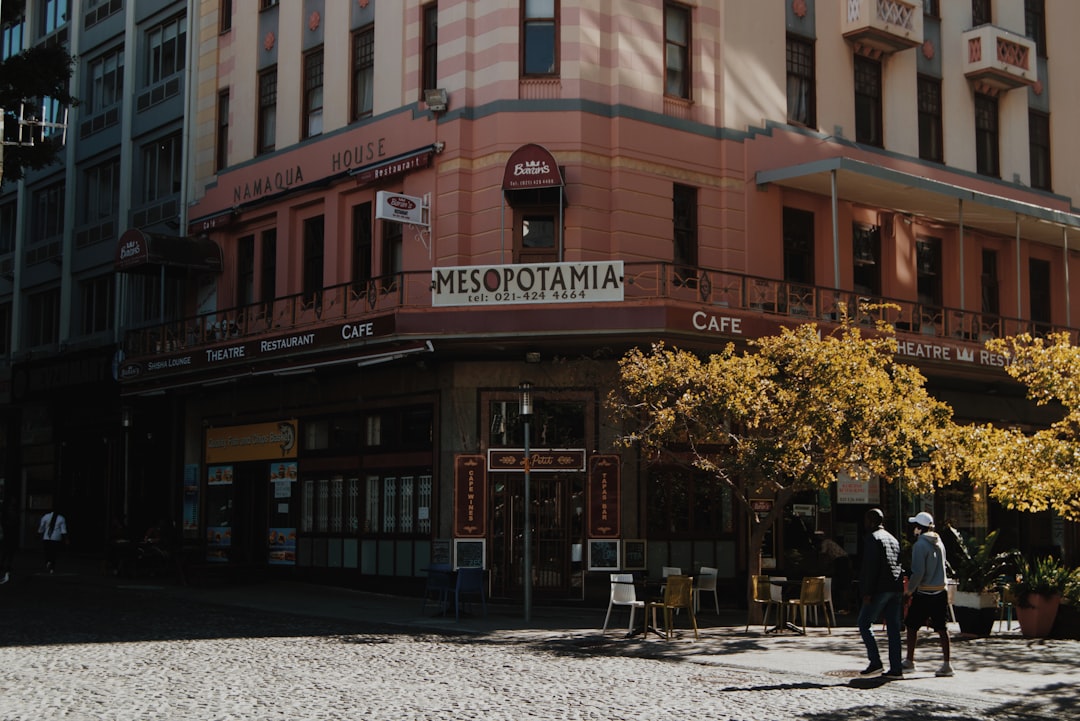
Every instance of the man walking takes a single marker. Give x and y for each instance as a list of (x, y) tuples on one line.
[(881, 587), (926, 586)]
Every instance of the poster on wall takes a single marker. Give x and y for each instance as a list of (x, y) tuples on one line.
[(282, 542), (219, 506), (191, 501), (603, 555)]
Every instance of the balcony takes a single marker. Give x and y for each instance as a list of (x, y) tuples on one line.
[(997, 60), (882, 27)]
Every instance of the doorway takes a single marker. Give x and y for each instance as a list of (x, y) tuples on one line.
[(557, 522)]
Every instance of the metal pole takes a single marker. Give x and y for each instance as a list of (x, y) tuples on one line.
[(526, 415)]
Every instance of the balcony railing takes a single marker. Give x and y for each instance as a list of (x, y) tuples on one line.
[(353, 302), (883, 26), (998, 60)]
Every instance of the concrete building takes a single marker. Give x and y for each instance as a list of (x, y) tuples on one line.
[(397, 213)]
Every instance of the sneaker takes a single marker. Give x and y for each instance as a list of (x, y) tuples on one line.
[(871, 671), (894, 674), (945, 670), (908, 665)]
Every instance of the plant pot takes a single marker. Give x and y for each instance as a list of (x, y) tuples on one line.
[(1037, 614), (975, 612)]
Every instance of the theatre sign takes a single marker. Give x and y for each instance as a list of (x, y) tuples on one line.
[(593, 282)]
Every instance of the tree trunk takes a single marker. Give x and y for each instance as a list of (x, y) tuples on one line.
[(758, 530)]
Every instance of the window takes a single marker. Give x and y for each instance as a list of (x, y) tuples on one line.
[(801, 90), (687, 504), (221, 149), (986, 136), (100, 192), (1035, 24), (48, 220), (264, 4), (13, 39), (866, 251), (167, 45), (267, 110), (268, 266), (313, 93), (930, 7), (361, 262), (429, 48), (106, 81), (535, 234), (363, 66), (314, 239), (1039, 149), (685, 232), (798, 246), (5, 329), (980, 13), (392, 249), (677, 50), (43, 314), (9, 215), (930, 126), (225, 16), (162, 163), (868, 102), (53, 15), (1039, 290), (928, 270), (245, 270), (991, 302), (96, 295), (539, 37)]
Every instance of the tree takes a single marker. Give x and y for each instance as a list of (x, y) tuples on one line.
[(786, 415), (43, 71), (1038, 471)]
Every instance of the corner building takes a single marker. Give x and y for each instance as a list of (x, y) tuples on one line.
[(420, 206)]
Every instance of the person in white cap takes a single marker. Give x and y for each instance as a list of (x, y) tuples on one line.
[(926, 588)]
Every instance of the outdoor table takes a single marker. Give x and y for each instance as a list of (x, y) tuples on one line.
[(783, 624), (649, 590)]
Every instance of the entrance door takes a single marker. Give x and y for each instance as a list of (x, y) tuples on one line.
[(558, 504)]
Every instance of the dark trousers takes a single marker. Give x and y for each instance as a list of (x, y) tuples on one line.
[(881, 605), (51, 548)]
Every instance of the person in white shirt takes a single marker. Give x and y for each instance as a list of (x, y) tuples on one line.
[(53, 530)]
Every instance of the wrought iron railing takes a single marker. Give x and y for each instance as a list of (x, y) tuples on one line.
[(643, 281)]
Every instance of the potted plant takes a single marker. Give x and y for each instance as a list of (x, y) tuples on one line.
[(1038, 589), (976, 567), (1067, 622)]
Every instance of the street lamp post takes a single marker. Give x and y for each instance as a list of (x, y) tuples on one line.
[(526, 415)]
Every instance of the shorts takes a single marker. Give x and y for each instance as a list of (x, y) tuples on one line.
[(928, 607)]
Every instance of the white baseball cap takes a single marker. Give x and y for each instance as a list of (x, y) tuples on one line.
[(922, 518)]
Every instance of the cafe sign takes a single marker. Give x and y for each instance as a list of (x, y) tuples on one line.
[(470, 497), (542, 460), (604, 497)]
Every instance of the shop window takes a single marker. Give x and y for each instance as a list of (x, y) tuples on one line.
[(868, 99), (399, 428), (801, 82), (684, 504)]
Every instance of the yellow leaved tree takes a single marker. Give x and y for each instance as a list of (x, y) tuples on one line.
[(787, 415), (1038, 471)]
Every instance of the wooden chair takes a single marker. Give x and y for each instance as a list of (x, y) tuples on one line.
[(623, 593), (706, 583), (678, 594), (811, 595), (763, 594)]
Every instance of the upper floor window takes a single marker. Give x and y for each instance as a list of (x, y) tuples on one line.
[(1035, 24), (930, 125), (928, 272), (48, 219), (363, 66), (313, 93), (801, 87), (361, 262), (43, 317), (991, 297), (685, 231), (225, 20), (245, 270), (1039, 152), (931, 8), (429, 47), (868, 123), (798, 245), (540, 37), (314, 256), (264, 4), (268, 266), (981, 13), (393, 260), (5, 329), (9, 216), (52, 15), (221, 150), (13, 39), (677, 50), (162, 166), (865, 257), (96, 295), (267, 130), (106, 81), (100, 192), (166, 44), (1039, 290), (987, 152)]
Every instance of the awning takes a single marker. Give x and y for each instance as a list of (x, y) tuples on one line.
[(529, 167), (142, 251), (896, 191)]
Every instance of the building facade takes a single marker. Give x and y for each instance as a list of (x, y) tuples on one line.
[(394, 214)]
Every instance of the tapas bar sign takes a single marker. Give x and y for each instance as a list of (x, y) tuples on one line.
[(470, 497), (543, 460), (604, 497)]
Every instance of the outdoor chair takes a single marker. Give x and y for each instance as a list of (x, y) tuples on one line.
[(470, 582), (706, 583), (811, 595), (438, 586), (678, 594), (763, 594), (623, 593)]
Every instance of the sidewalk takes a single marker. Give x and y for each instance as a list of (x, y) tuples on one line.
[(1000, 667)]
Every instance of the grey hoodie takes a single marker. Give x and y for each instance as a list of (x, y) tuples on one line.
[(927, 564)]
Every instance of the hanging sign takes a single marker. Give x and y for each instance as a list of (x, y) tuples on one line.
[(604, 497), (470, 497)]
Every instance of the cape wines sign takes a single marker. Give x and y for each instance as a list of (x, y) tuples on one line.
[(593, 282), (470, 497)]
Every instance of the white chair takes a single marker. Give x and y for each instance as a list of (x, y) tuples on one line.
[(706, 583), (623, 593)]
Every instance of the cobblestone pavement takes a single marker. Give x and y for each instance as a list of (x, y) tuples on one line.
[(141, 652)]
